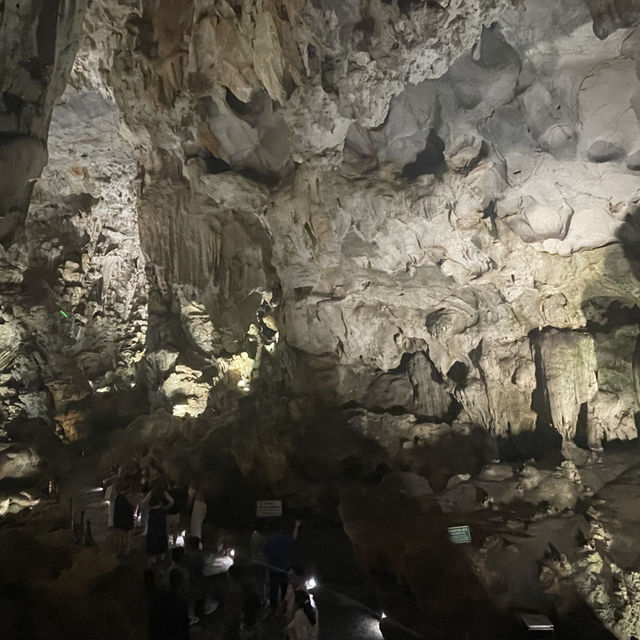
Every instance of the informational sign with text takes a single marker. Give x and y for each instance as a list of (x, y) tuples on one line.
[(460, 535), (269, 508)]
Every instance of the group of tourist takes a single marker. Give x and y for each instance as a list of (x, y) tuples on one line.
[(257, 599), (288, 595), (180, 593), (146, 497)]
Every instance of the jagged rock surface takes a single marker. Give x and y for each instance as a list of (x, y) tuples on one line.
[(421, 215), (461, 180), (39, 42)]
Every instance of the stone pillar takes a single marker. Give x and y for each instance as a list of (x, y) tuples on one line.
[(569, 364)]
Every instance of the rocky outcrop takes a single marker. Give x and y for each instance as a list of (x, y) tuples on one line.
[(75, 301), (39, 42), (431, 207), (569, 362), (604, 571)]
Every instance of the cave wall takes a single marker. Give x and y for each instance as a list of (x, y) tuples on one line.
[(433, 206), (306, 243), (38, 44), (441, 199)]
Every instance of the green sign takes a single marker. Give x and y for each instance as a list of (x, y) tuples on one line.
[(459, 535)]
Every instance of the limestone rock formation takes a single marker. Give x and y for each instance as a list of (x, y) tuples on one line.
[(459, 180), (414, 225), (38, 48), (603, 571)]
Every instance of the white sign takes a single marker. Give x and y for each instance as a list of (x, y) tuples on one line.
[(459, 535), (537, 622), (269, 508)]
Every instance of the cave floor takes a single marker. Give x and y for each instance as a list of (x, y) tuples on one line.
[(341, 617), (346, 609)]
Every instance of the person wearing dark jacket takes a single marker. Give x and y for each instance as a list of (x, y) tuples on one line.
[(277, 549)]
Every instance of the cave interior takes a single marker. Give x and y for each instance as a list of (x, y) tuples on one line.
[(366, 270)]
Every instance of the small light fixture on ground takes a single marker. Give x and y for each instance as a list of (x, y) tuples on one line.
[(383, 615), (180, 410), (310, 583), (232, 553), (244, 385)]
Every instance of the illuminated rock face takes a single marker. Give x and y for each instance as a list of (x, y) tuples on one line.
[(433, 207), (329, 239), (77, 301)]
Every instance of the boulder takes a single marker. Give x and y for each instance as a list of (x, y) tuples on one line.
[(496, 472), (18, 461)]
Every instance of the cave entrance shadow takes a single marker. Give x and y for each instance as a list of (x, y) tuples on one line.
[(544, 443)]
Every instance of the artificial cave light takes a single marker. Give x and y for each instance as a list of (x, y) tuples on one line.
[(180, 410)]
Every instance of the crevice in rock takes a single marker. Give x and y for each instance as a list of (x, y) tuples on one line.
[(491, 213), (236, 105), (270, 180), (363, 31), (459, 373), (582, 428), (611, 315), (430, 161), (215, 165)]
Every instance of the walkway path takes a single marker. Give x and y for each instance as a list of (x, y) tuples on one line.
[(87, 495), (340, 617)]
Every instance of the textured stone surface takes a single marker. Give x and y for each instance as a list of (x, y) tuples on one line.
[(604, 571), (39, 42), (77, 306), (569, 362), (405, 233), (462, 180)]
